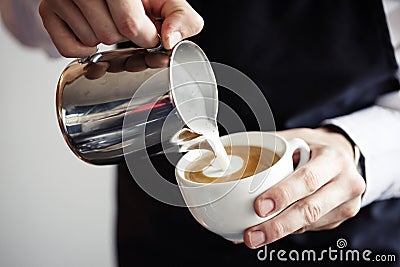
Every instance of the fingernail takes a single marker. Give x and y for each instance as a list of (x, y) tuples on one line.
[(174, 38), (266, 206), (257, 238)]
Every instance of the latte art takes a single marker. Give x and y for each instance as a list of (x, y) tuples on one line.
[(245, 161)]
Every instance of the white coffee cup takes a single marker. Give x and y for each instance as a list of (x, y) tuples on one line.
[(227, 208)]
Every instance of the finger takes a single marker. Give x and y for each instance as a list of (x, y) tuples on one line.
[(100, 20), (322, 167), (94, 71), (326, 227), (61, 35), (341, 213), (132, 22), (180, 21), (302, 213), (70, 13), (117, 64), (157, 60), (157, 23), (136, 63)]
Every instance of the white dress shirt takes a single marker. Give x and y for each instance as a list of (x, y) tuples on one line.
[(376, 130)]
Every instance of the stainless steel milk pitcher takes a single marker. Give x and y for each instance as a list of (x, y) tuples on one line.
[(128, 91)]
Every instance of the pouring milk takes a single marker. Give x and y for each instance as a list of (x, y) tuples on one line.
[(196, 100)]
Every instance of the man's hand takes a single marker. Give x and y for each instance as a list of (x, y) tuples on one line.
[(77, 26), (319, 195)]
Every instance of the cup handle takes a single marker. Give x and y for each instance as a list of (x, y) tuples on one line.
[(299, 144)]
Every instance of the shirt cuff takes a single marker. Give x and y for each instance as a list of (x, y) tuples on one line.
[(376, 132)]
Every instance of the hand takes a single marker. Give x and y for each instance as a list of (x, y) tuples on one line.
[(129, 62), (319, 195), (77, 26)]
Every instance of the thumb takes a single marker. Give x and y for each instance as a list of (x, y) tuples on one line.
[(180, 21)]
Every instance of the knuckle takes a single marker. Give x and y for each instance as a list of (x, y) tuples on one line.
[(328, 152), (276, 231), (68, 51), (89, 41), (192, 25), (55, 4), (343, 155), (338, 154), (85, 3), (282, 195), (198, 24), (65, 51), (44, 9), (349, 211), (311, 212), (129, 26), (310, 179), (110, 38), (357, 186)]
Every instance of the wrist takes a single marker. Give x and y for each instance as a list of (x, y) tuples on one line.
[(357, 155), (346, 142)]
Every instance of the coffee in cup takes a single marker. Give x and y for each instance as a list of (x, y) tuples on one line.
[(245, 161)]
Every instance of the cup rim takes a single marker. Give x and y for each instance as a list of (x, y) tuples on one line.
[(179, 171)]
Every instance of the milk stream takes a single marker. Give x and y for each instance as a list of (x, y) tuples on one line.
[(221, 156), (196, 99)]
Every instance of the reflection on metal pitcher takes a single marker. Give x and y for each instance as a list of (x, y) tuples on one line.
[(96, 94)]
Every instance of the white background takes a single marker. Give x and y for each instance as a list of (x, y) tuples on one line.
[(55, 210)]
